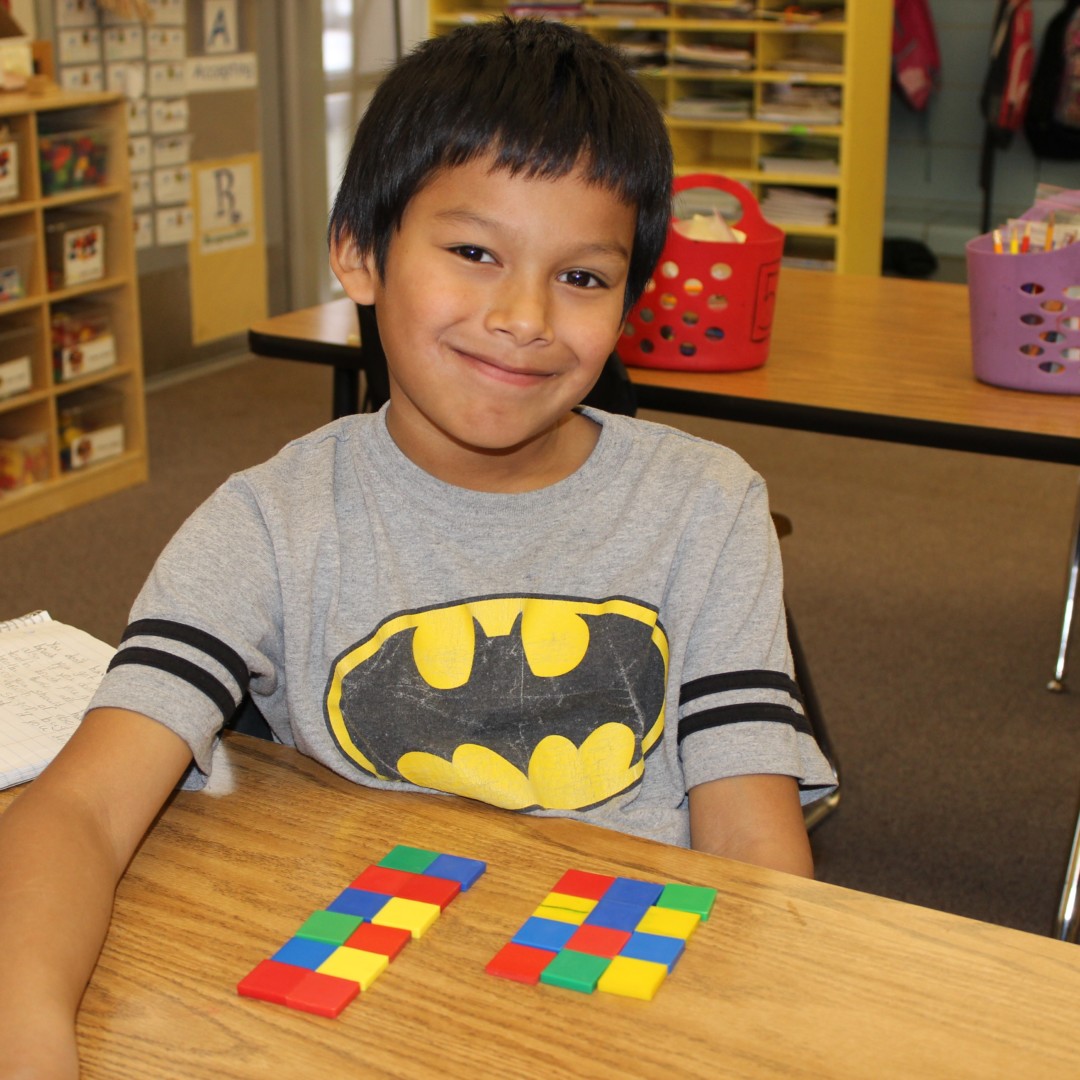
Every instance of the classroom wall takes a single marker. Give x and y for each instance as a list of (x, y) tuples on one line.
[(932, 187)]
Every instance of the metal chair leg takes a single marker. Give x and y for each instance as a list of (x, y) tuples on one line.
[(1065, 921), (1057, 683)]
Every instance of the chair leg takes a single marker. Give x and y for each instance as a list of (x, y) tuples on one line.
[(1057, 683), (817, 811), (1066, 918)]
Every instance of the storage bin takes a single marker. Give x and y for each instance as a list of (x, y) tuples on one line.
[(71, 160), (709, 306), (23, 461), (16, 361), (1025, 317), (16, 260), (82, 340), (74, 249), (91, 427)]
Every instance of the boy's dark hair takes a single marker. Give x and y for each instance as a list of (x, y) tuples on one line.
[(540, 96)]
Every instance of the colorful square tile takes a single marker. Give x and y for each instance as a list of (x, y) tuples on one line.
[(412, 915), (403, 857), (332, 927), (598, 940), (632, 978), (362, 967), (583, 883), (544, 934), (576, 918), (522, 963), (655, 947), (388, 940), (322, 994), (631, 891), (575, 971), (459, 869), (359, 902), (657, 920), (696, 898), (616, 915), (303, 952), (270, 980)]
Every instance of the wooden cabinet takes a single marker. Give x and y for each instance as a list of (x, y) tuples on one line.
[(72, 417), (792, 107)]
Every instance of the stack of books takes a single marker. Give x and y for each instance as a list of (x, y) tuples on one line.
[(793, 206)]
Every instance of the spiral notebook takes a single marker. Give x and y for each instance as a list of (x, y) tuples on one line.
[(48, 674)]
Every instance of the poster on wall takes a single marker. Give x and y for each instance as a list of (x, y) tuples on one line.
[(228, 250)]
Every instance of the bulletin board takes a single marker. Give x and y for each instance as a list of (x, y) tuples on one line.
[(227, 251)]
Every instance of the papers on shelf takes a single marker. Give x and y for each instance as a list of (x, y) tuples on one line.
[(808, 156), (799, 105), (793, 206), (711, 108), (713, 56)]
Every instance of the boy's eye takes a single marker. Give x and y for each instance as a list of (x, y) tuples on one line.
[(582, 279), (472, 253)]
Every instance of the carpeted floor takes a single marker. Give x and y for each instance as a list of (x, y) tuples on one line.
[(927, 586)]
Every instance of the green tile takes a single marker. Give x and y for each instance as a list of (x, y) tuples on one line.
[(575, 970), (403, 857), (694, 898), (332, 927)]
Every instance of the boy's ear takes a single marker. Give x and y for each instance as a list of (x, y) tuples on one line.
[(355, 270)]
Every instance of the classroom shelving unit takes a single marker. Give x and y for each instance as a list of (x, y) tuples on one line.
[(763, 57), (107, 401)]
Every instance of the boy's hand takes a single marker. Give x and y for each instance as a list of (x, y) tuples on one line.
[(755, 819), (64, 842)]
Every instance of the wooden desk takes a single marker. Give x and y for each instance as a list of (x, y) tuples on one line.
[(877, 358), (788, 978)]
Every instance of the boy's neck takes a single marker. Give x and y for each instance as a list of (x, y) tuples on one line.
[(545, 460)]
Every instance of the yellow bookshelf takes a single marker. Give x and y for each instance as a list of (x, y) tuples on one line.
[(720, 114)]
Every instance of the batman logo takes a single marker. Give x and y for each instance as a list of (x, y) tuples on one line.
[(521, 702)]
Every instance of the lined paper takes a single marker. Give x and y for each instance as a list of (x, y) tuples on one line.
[(48, 674)]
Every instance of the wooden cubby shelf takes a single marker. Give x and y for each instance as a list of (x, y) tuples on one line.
[(39, 225)]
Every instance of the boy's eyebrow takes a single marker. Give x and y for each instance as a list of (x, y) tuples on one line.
[(471, 217)]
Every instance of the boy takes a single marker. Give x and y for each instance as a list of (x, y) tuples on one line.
[(482, 589)]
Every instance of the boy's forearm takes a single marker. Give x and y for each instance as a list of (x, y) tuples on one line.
[(56, 890), (64, 844), (756, 819)]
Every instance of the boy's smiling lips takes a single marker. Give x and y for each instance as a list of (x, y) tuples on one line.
[(504, 371)]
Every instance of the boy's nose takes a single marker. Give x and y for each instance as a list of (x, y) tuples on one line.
[(522, 310)]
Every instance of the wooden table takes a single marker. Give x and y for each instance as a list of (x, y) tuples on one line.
[(788, 978), (877, 358)]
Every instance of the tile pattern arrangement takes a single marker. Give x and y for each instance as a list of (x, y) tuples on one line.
[(343, 948), (596, 932)]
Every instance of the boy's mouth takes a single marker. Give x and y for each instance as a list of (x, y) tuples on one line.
[(504, 371)]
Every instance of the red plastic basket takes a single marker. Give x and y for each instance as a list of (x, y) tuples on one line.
[(708, 306)]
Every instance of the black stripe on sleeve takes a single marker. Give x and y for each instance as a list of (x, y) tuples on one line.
[(748, 712), (739, 680), (183, 669), (214, 647)]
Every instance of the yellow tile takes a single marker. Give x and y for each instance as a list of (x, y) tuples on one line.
[(568, 902), (412, 915), (560, 914), (356, 964), (632, 978), (669, 922)]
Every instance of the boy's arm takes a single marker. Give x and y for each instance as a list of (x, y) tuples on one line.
[(64, 844), (755, 819)]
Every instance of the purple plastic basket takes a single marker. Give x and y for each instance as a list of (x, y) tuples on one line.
[(1025, 317)]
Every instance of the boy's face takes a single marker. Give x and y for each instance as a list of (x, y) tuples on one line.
[(501, 301)]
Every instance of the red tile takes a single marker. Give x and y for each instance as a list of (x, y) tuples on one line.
[(386, 940), (270, 980), (522, 963), (325, 995), (598, 940), (409, 886), (583, 883)]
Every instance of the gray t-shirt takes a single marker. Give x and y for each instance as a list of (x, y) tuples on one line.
[(593, 649)]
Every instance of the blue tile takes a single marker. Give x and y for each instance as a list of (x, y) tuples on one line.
[(359, 902), (456, 868), (632, 891), (655, 947), (544, 933), (304, 952), (617, 915)]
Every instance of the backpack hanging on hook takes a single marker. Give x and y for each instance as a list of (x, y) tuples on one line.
[(916, 61), (1052, 125)]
